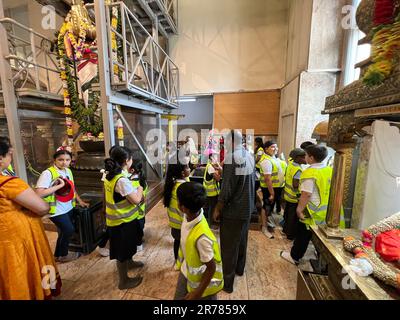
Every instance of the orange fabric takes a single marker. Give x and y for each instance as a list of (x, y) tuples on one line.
[(24, 250)]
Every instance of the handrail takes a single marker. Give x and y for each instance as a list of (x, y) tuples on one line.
[(9, 20), (32, 52), (141, 55)]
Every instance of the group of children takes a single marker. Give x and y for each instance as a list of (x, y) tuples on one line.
[(125, 189), (196, 250), (304, 186), (305, 191)]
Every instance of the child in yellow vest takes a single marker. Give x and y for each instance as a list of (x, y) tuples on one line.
[(315, 183), (138, 178), (122, 200), (177, 173), (211, 181), (51, 181), (201, 275), (291, 191)]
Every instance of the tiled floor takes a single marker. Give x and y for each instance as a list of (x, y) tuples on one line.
[(267, 276)]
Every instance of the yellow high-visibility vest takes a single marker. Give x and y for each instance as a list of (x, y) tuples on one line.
[(174, 214), (291, 194), (142, 206), (211, 186), (121, 212), (274, 174), (258, 163), (322, 178), (196, 268), (51, 199)]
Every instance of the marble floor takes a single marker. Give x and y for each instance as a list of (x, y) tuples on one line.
[(92, 277)]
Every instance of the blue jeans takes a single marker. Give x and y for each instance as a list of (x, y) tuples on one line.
[(65, 230)]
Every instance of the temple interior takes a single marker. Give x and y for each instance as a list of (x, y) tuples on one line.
[(106, 106)]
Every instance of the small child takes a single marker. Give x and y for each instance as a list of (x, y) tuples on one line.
[(50, 181), (201, 275), (291, 191), (177, 174), (138, 178), (315, 184), (211, 184), (122, 200)]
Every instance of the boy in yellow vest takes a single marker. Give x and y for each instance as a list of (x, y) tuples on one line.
[(315, 184), (271, 180), (201, 275), (291, 191)]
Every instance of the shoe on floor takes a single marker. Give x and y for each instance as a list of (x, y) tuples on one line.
[(228, 290), (267, 233), (139, 248), (130, 283), (135, 264), (104, 252), (71, 256), (286, 255)]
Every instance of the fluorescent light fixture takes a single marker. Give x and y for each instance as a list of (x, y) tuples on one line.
[(184, 99)]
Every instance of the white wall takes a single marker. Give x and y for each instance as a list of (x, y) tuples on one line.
[(288, 116), (196, 113), (300, 13), (231, 45)]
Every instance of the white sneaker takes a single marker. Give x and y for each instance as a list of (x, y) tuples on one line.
[(286, 255), (139, 248), (267, 233), (104, 252)]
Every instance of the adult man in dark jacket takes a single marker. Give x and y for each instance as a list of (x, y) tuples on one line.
[(234, 208)]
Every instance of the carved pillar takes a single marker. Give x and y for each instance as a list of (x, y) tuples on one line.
[(340, 137), (331, 229)]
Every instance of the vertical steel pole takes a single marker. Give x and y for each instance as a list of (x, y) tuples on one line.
[(104, 75), (10, 103)]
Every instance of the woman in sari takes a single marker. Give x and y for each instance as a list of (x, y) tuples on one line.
[(27, 267)]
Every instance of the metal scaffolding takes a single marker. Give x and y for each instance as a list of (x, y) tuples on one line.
[(148, 79)]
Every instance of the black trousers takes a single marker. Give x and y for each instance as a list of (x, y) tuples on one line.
[(176, 234), (267, 205), (278, 199), (233, 237), (65, 229), (291, 220), (104, 240), (300, 244)]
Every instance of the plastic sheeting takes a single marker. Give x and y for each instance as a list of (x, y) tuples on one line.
[(382, 197)]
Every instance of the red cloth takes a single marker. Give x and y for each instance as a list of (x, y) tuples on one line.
[(387, 245), (384, 12)]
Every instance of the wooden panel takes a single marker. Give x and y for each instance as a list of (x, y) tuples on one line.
[(248, 110)]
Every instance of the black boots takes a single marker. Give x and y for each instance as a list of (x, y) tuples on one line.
[(124, 281)]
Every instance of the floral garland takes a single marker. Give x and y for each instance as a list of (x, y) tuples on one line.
[(87, 117), (385, 52), (116, 44), (364, 249)]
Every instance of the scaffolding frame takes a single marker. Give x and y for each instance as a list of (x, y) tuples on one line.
[(156, 71)]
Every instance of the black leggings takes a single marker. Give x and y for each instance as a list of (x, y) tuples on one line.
[(176, 234)]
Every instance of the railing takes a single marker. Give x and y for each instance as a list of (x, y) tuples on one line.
[(170, 9), (33, 62), (142, 66)]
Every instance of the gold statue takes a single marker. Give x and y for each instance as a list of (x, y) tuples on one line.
[(79, 18)]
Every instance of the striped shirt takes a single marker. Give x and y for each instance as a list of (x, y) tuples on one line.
[(238, 186)]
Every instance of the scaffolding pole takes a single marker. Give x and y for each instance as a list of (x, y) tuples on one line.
[(104, 75), (11, 103)]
